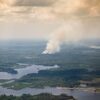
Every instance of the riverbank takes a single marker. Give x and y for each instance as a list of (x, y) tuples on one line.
[(88, 89), (42, 96), (78, 93)]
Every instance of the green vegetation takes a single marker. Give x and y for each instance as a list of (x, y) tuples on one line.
[(58, 78), (78, 65), (8, 70), (43, 96)]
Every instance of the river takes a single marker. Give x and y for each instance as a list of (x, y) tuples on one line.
[(76, 93), (24, 71)]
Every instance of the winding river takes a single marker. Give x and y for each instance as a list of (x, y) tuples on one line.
[(77, 93), (24, 71)]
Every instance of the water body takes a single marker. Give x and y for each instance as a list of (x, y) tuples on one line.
[(24, 71), (78, 94)]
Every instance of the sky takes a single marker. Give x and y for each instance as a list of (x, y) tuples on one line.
[(39, 19)]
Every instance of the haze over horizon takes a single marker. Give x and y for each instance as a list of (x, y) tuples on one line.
[(39, 19)]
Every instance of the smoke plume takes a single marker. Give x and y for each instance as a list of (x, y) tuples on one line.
[(72, 31), (54, 43), (60, 36)]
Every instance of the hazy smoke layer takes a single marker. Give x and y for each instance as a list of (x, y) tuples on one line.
[(72, 31), (79, 7), (75, 30)]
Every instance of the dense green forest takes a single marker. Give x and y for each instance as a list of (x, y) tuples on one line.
[(78, 64), (60, 78)]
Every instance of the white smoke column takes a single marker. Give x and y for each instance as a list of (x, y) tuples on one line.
[(65, 33), (54, 43)]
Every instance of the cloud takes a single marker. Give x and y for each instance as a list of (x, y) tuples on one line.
[(24, 10), (86, 15), (78, 7), (34, 3), (6, 3), (49, 9)]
